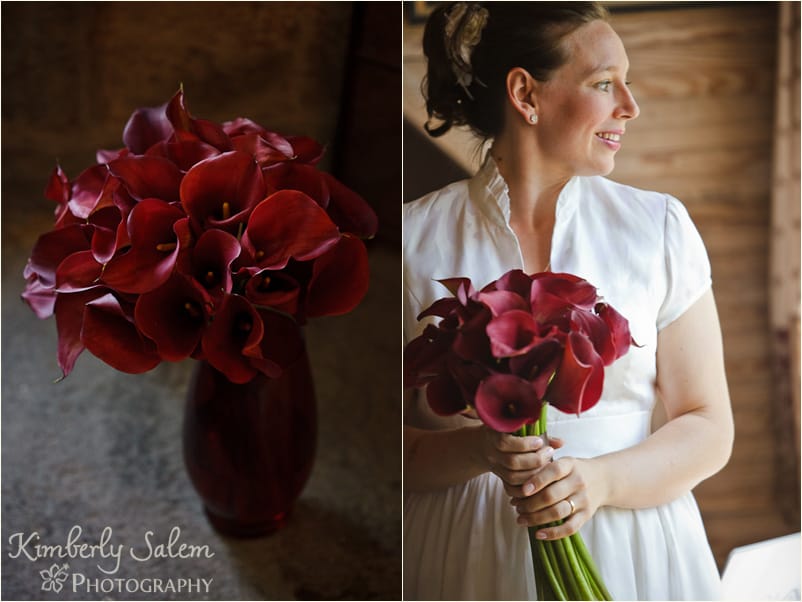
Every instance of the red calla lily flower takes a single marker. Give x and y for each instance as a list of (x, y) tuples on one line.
[(280, 346), (266, 148), (211, 260), (513, 333), (174, 316), (183, 122), (153, 228), (506, 402), (577, 385), (288, 225), (501, 302), (339, 279), (445, 396), (425, 356), (220, 192), (236, 326), (148, 177), (619, 329), (69, 310), (184, 151), (108, 332), (52, 248), (277, 290), (146, 127)]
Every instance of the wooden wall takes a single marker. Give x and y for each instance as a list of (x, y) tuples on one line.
[(704, 77)]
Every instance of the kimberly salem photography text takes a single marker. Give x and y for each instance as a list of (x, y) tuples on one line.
[(108, 557)]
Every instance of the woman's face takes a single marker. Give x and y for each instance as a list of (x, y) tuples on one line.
[(584, 107)]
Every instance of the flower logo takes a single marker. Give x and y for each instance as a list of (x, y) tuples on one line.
[(53, 578)]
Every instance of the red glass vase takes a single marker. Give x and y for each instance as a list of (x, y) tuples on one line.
[(249, 448)]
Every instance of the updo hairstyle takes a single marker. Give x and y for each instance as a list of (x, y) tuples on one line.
[(515, 34)]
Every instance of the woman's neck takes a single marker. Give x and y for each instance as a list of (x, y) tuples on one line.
[(533, 187)]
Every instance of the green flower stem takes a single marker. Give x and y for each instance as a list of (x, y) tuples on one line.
[(568, 575), (597, 593), (550, 564), (583, 553), (583, 587), (544, 591)]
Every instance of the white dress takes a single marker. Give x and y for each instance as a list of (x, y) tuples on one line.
[(643, 253)]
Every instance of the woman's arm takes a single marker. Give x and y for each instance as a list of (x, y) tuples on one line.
[(694, 444)]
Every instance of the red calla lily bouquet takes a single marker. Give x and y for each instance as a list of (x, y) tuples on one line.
[(198, 239), (507, 352)]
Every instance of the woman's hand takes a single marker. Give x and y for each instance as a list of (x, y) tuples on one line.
[(569, 488), (512, 458)]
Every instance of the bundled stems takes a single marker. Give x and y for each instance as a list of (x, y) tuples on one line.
[(564, 569)]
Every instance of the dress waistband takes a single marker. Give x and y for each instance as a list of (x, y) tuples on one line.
[(590, 436)]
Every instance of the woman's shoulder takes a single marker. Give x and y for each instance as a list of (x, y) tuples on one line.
[(637, 203), (440, 201)]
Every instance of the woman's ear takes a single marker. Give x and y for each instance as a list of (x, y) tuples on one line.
[(521, 87)]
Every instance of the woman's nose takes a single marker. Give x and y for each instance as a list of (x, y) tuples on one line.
[(627, 107)]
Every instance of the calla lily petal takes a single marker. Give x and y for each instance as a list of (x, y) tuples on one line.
[(109, 333), (212, 257), (596, 329), (288, 224), (155, 246), (501, 301), (40, 298), (444, 396), (297, 176), (578, 383), (58, 186), (339, 279), (53, 247), (78, 272), (146, 127), (148, 177), (183, 152), (350, 211), (236, 326), (440, 308), (618, 326), (306, 150), (69, 310), (220, 192), (472, 342), (506, 402), (265, 147), (512, 333), (173, 316), (281, 344), (273, 289)]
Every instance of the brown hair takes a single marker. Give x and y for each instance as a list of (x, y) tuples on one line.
[(516, 34)]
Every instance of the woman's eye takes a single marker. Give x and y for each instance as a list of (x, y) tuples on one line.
[(604, 86)]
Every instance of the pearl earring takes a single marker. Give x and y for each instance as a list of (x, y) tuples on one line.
[(533, 118)]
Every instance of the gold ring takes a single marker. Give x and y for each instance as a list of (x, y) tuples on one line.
[(573, 508)]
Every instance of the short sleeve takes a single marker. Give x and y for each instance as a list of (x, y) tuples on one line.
[(687, 265)]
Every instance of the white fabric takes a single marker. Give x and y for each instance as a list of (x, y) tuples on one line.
[(643, 253)]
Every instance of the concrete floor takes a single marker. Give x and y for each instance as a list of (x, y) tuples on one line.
[(103, 449)]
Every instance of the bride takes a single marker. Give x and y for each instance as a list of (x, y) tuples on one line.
[(546, 82)]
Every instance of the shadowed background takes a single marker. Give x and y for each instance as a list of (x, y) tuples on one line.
[(103, 448)]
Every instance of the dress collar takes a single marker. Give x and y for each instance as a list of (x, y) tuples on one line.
[(490, 191)]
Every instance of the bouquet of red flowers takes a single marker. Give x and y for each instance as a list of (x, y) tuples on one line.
[(198, 239), (507, 352)]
